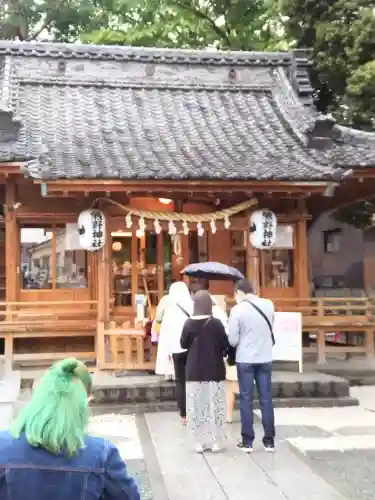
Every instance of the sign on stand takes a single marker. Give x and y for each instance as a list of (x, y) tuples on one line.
[(287, 329)]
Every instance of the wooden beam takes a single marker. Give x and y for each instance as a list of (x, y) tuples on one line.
[(12, 250), (7, 169), (167, 187)]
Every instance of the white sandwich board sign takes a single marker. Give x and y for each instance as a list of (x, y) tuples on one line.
[(287, 329)]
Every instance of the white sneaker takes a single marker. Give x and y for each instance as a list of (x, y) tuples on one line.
[(199, 448), (215, 448)]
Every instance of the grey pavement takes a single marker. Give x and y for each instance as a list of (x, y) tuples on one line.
[(321, 454), (231, 474)]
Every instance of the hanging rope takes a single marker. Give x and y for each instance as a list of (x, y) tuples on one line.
[(180, 216)]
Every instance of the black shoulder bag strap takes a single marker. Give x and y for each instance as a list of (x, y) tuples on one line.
[(203, 327), (183, 310), (265, 318)]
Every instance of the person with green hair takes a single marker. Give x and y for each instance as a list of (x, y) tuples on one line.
[(47, 454)]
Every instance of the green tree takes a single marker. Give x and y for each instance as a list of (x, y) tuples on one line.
[(341, 34), (54, 20), (222, 24)]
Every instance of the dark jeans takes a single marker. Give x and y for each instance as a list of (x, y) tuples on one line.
[(179, 362), (260, 373)]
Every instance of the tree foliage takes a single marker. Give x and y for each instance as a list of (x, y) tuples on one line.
[(222, 24), (341, 34), (54, 20)]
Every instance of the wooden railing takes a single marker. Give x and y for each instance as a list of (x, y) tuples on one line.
[(320, 316), (48, 330), (122, 347)]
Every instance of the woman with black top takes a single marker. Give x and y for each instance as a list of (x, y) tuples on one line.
[(206, 341)]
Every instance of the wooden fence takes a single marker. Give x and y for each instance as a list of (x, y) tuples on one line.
[(32, 331), (121, 347)]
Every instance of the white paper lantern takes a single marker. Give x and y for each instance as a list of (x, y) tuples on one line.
[(263, 224), (91, 229)]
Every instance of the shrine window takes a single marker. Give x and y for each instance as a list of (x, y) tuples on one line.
[(51, 258), (122, 268), (277, 264), (332, 241)]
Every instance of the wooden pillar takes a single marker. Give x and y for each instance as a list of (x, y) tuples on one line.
[(104, 296), (12, 250), (253, 266), (219, 250), (12, 258), (160, 264), (134, 260), (301, 267), (102, 313)]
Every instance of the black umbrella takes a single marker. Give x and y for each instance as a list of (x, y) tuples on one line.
[(212, 271)]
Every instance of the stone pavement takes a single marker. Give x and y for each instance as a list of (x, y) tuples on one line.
[(322, 454)]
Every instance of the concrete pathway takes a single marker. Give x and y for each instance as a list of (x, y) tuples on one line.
[(321, 454), (229, 475)]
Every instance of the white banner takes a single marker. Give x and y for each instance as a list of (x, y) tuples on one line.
[(287, 329)]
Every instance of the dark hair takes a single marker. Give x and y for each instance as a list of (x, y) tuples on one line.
[(244, 286), (202, 303)]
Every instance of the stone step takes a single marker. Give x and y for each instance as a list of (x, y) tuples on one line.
[(143, 393), (164, 406), (150, 388)]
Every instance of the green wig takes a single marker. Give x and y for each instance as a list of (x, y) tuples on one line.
[(57, 415)]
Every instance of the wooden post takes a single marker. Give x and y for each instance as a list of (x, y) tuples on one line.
[(301, 267), (101, 326), (12, 252), (369, 333), (160, 264), (134, 260), (253, 273), (320, 335)]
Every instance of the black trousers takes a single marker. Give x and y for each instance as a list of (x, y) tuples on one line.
[(179, 362)]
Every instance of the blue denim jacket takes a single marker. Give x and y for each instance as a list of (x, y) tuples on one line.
[(97, 472)]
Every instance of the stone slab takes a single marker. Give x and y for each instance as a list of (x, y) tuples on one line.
[(351, 473), (10, 387), (6, 415), (122, 430), (186, 474), (238, 473), (334, 443), (288, 472), (328, 419)]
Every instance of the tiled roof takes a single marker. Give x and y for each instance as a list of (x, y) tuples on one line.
[(128, 113)]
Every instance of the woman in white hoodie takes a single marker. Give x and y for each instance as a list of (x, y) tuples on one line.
[(177, 309)]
